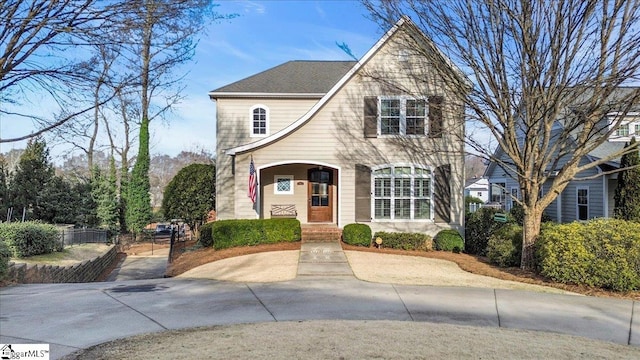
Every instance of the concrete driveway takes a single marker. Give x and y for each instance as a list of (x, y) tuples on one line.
[(76, 316)]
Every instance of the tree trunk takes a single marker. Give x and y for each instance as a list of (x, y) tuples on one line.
[(530, 232)]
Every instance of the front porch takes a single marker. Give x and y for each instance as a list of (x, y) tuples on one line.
[(304, 191)]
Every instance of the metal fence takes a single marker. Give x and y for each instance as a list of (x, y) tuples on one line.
[(83, 236)]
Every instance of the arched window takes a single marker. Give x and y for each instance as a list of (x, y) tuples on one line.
[(259, 121), (402, 192)]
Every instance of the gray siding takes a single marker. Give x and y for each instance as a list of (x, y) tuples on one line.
[(568, 199)]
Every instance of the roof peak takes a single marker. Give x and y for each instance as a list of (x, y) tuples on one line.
[(291, 77)]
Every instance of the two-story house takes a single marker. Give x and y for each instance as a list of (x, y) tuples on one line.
[(591, 193), (377, 141)]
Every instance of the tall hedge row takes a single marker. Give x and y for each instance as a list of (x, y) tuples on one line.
[(30, 238), (232, 233), (600, 253)]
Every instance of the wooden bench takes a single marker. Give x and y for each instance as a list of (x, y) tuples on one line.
[(284, 211)]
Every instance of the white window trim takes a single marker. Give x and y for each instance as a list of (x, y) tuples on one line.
[(631, 119), (403, 115), (412, 176), (276, 178), (267, 121), (578, 205)]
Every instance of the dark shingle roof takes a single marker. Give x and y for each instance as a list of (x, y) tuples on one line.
[(293, 77)]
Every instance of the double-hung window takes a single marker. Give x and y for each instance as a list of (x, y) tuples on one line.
[(402, 193), (402, 116), (582, 203)]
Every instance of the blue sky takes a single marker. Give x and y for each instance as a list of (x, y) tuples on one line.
[(265, 34)]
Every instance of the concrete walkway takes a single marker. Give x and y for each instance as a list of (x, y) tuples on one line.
[(323, 259), (74, 316)]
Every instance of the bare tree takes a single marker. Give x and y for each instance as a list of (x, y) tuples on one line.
[(544, 75), (161, 36), (34, 35)]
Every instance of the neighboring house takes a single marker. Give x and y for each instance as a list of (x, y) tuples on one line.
[(478, 188), (339, 142), (581, 199)]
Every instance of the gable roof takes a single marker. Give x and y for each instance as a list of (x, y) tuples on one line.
[(292, 77), (404, 21), (476, 183)]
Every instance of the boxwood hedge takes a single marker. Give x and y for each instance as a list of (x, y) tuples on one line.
[(233, 233), (357, 234), (448, 240), (405, 241)]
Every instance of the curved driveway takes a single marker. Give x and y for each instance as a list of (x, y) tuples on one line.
[(73, 316)]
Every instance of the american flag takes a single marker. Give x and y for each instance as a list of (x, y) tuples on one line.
[(253, 182)]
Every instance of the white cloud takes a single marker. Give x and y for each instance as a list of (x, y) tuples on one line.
[(216, 47), (253, 7)]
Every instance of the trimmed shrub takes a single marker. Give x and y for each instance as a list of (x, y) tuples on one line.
[(601, 253), (504, 247), (281, 230), (479, 227), (206, 234), (233, 233), (5, 255), (448, 240), (357, 234), (30, 238), (405, 241)]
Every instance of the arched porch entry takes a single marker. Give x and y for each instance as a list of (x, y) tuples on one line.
[(306, 191)]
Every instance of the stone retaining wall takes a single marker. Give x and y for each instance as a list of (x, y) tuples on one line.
[(86, 271)]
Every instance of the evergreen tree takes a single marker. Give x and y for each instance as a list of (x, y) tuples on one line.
[(627, 195), (64, 202), (123, 188), (4, 191), (33, 174), (104, 192), (138, 199), (191, 194)]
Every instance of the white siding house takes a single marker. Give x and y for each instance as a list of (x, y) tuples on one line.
[(478, 188)]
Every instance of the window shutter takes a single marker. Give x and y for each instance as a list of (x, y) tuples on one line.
[(442, 194), (363, 193), (435, 116), (370, 116)]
